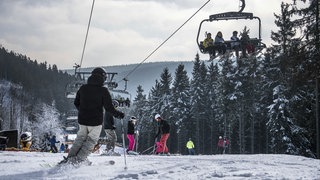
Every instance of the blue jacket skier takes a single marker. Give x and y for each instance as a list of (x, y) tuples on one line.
[(53, 142)]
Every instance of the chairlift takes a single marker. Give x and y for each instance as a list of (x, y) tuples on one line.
[(256, 42), (72, 87), (81, 78), (122, 96)]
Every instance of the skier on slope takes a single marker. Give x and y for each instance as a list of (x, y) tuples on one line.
[(53, 147), (130, 133), (220, 145), (223, 144), (190, 147), (26, 140), (163, 129), (109, 129), (62, 148), (90, 101)]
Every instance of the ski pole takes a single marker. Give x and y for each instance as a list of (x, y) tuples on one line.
[(147, 149), (124, 146), (154, 146), (136, 140)]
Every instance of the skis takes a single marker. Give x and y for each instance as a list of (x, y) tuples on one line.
[(111, 153), (70, 165), (47, 165), (132, 153)]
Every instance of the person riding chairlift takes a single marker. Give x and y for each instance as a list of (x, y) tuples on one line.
[(235, 42), (208, 45), (245, 43), (219, 43)]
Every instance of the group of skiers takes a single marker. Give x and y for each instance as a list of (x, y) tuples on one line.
[(92, 100), (222, 146)]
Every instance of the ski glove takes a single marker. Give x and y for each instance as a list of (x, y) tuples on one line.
[(120, 115)]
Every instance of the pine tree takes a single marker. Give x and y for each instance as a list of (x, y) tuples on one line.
[(228, 104), (144, 127), (165, 90), (213, 106), (283, 114), (243, 98), (155, 98), (307, 69), (159, 100), (180, 103), (286, 137), (198, 101)]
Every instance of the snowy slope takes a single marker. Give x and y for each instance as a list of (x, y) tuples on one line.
[(33, 165)]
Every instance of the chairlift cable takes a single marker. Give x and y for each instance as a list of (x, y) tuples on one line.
[(85, 41), (136, 67)]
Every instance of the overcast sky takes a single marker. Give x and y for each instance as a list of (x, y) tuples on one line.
[(121, 31)]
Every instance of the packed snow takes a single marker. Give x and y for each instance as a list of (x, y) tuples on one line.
[(40, 165)]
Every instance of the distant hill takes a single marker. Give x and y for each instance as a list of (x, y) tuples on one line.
[(145, 75)]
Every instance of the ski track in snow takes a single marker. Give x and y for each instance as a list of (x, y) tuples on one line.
[(36, 165)]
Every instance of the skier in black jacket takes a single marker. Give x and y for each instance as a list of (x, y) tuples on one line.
[(90, 101), (164, 130), (131, 132), (109, 128)]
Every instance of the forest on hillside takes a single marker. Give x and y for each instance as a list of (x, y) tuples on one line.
[(32, 96), (41, 80), (262, 104)]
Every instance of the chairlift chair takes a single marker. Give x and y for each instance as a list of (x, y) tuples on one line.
[(256, 42), (72, 87)]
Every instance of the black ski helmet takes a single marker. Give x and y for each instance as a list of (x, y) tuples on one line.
[(115, 103), (100, 71)]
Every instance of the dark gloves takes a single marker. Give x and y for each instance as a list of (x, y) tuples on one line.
[(120, 115)]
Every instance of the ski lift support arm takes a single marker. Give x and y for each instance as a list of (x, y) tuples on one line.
[(110, 83), (235, 16), (83, 75)]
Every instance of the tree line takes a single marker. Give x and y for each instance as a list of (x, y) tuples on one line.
[(42, 81), (32, 96)]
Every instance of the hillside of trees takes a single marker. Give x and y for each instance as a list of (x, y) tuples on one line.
[(263, 104), (43, 81), (32, 96)]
